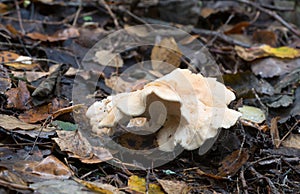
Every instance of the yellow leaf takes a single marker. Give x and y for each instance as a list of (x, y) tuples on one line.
[(138, 184), (281, 52), (250, 54)]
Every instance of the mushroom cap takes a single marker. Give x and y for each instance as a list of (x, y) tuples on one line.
[(185, 108)]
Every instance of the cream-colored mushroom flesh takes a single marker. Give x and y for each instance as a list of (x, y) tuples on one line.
[(181, 107)]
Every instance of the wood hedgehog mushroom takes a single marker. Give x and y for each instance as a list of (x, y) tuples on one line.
[(181, 108)]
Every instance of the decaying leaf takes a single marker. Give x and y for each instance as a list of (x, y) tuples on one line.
[(250, 54), (182, 107), (74, 143), (42, 92), (277, 101), (238, 28), (293, 141), (289, 79), (265, 37), (165, 55), (138, 185), (11, 177), (10, 123), (59, 186), (77, 146), (233, 162), (58, 36), (252, 114), (107, 58), (120, 85), (5, 82), (40, 113), (19, 97), (270, 67), (51, 167), (99, 187), (16, 61), (31, 76), (173, 187), (243, 82)]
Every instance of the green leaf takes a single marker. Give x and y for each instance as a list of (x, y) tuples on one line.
[(66, 126)]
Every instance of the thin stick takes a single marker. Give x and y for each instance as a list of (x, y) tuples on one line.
[(221, 30), (19, 17), (77, 13), (268, 180), (138, 19), (285, 136), (272, 14), (244, 183), (42, 127), (110, 13), (220, 36)]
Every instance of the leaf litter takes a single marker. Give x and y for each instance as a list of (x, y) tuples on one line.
[(37, 116)]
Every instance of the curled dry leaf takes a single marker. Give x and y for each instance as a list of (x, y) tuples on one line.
[(182, 107), (51, 167)]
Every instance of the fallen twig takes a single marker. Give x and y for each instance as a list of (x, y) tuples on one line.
[(110, 13), (19, 17), (260, 176), (272, 14), (77, 13), (220, 36), (244, 183)]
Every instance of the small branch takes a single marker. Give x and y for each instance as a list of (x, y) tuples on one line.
[(138, 18), (277, 8), (220, 36), (77, 13), (260, 176), (19, 17), (291, 129), (244, 183), (110, 13), (272, 14)]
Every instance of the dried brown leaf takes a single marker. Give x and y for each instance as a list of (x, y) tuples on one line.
[(274, 132), (51, 167), (19, 97), (233, 162), (10, 123), (173, 187), (166, 55)]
